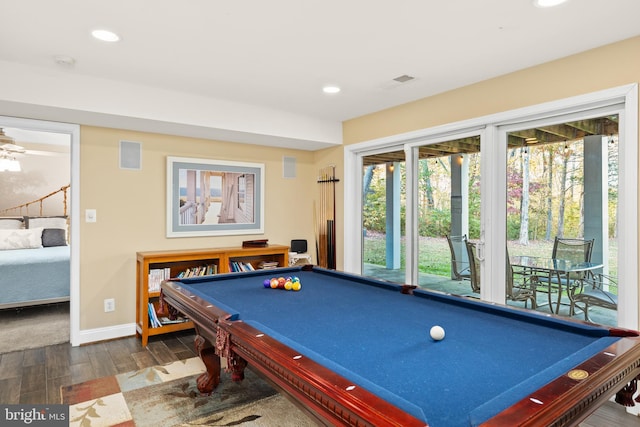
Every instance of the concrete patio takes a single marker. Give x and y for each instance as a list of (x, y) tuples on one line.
[(463, 287)]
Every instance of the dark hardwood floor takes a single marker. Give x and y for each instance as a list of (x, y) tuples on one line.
[(35, 376)]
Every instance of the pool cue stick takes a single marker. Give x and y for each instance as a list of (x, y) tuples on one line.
[(325, 179), (327, 187), (333, 214), (322, 260), (324, 219), (315, 230)]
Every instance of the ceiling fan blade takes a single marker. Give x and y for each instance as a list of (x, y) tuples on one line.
[(44, 153), (12, 148)]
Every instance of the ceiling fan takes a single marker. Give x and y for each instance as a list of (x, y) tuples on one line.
[(8, 145), (9, 148), (8, 151)]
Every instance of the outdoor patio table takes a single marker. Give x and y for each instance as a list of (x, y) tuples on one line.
[(550, 268)]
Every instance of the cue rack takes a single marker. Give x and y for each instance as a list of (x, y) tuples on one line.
[(326, 218)]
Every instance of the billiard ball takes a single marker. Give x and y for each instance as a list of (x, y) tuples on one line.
[(437, 333), (274, 283), (296, 286), (267, 283), (288, 285), (295, 279)]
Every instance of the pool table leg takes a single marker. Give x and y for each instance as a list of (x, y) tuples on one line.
[(208, 380)]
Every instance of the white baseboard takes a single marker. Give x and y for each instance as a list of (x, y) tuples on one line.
[(101, 334)]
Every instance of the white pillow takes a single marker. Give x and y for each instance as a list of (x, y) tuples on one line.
[(21, 239), (45, 222), (11, 223)]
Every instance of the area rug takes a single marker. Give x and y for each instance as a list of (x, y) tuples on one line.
[(33, 327), (167, 396)]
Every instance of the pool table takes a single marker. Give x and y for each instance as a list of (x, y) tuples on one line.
[(351, 350)]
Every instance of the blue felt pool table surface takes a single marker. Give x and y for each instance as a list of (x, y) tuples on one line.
[(377, 337)]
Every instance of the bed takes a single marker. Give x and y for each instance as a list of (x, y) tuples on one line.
[(34, 261)]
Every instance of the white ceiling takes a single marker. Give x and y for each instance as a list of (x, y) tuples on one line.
[(276, 55)]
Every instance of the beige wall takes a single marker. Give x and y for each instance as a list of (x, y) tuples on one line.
[(131, 210)]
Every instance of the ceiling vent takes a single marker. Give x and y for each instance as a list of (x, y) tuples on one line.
[(398, 82), (403, 78)]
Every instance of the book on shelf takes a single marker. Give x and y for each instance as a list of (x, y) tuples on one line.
[(202, 270), (167, 321), (264, 265), (156, 276), (154, 322), (238, 266)]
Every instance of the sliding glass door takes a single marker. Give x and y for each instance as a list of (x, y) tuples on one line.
[(511, 183), (562, 186)]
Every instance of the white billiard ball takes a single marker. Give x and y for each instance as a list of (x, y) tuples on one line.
[(437, 333)]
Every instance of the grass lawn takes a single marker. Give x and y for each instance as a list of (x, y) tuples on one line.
[(435, 258)]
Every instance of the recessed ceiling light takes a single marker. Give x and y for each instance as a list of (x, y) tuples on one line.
[(548, 3), (331, 89), (105, 35)]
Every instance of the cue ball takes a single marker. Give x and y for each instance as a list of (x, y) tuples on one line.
[(437, 333)]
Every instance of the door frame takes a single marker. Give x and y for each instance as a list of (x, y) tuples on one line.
[(73, 130)]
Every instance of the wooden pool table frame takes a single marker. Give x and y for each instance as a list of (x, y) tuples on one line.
[(328, 398)]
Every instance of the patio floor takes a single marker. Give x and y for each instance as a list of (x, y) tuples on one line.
[(463, 287)]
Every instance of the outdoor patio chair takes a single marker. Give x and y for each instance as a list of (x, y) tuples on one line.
[(459, 258), (519, 292), (597, 290), (474, 266), (575, 250)]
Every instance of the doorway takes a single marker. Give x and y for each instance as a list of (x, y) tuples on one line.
[(69, 133)]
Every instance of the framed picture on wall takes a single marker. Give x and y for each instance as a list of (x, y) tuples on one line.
[(214, 197)]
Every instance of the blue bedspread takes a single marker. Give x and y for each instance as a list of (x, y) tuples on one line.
[(34, 276)]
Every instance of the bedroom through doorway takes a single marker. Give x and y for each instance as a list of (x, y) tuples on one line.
[(35, 199)]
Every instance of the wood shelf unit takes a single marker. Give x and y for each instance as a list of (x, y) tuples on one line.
[(178, 261)]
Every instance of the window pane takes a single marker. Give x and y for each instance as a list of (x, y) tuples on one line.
[(562, 182), (383, 217)]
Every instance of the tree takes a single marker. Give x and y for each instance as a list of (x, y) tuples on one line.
[(563, 190), (425, 185), (549, 190), (524, 210)]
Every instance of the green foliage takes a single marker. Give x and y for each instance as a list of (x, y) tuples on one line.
[(374, 209), (434, 222), (549, 180)]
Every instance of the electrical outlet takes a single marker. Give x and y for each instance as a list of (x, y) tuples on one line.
[(109, 305)]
